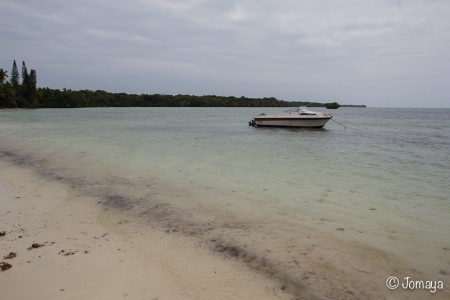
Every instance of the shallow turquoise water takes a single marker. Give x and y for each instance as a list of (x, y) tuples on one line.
[(388, 172)]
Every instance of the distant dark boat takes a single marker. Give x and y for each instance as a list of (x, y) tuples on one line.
[(332, 107)]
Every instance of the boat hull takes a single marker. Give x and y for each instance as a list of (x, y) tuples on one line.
[(292, 122)]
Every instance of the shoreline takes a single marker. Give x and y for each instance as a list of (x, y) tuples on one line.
[(71, 254), (85, 254), (78, 221)]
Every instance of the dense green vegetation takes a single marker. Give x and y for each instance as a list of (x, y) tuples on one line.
[(14, 94), (86, 98), (332, 105)]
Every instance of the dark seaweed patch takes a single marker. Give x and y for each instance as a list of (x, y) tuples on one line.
[(5, 266), (272, 269), (231, 251), (119, 202), (11, 255), (18, 160), (35, 246)]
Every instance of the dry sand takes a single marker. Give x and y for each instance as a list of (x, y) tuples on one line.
[(86, 254)]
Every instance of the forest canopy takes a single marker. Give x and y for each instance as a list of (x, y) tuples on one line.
[(17, 93)]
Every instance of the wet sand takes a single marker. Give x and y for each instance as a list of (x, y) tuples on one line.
[(82, 252)]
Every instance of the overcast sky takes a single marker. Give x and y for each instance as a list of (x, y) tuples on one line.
[(390, 53)]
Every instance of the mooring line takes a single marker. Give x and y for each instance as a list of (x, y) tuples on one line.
[(345, 127)]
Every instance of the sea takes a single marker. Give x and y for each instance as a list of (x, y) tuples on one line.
[(361, 199)]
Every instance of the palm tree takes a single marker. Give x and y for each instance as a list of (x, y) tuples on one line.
[(3, 75), (8, 95)]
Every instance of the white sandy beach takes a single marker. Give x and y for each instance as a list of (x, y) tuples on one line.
[(106, 262)]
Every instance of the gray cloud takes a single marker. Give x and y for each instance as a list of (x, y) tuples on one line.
[(390, 53)]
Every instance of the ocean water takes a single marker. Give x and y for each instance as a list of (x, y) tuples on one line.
[(355, 204)]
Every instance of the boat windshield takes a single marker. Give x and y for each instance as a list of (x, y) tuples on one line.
[(302, 109)]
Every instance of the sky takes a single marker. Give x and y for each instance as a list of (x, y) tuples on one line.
[(381, 53)]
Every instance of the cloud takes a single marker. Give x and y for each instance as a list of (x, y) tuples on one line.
[(311, 49)]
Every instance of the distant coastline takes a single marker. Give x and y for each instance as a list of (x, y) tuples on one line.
[(314, 105), (342, 105), (54, 98)]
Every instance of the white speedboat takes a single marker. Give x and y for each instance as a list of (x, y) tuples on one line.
[(294, 117)]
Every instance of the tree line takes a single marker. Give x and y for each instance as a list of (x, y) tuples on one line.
[(50, 98), (14, 94)]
